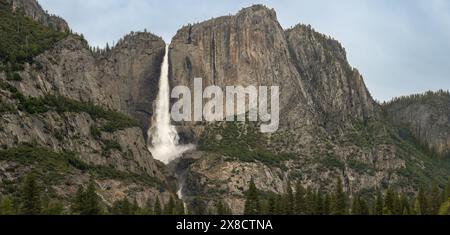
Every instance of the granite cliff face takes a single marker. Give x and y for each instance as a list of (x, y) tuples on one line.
[(338, 90), (426, 118), (249, 48), (124, 78), (330, 126)]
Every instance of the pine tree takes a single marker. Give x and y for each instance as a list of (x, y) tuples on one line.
[(91, 200), (319, 207), (289, 200), (31, 197), (406, 208), (6, 206), (436, 200), (415, 208), (339, 200), (169, 208), (78, 202), (443, 195), (157, 207), (126, 207), (222, 208), (198, 207), (356, 205), (299, 199), (16, 200), (135, 209), (54, 208), (179, 210), (327, 205), (309, 202), (45, 202), (445, 208), (271, 206), (252, 204), (122, 207), (447, 191), (398, 205), (422, 203), (51, 207), (148, 209), (389, 202), (364, 206), (379, 205), (279, 209)]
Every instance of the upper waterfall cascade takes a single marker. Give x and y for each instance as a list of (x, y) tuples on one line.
[(164, 137)]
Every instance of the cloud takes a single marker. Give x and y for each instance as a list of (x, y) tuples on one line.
[(401, 47)]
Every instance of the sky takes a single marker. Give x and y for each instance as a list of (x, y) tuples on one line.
[(401, 47)]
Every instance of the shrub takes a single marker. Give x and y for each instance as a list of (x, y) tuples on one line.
[(243, 143), (110, 145), (13, 76)]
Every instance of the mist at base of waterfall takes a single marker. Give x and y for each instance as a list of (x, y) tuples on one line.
[(166, 153)]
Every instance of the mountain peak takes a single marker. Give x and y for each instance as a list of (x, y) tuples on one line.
[(33, 9), (259, 9)]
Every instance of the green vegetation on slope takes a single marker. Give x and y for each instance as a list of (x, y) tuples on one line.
[(32, 198), (35, 105), (421, 168), (422, 165), (240, 141), (116, 120), (21, 38), (434, 99), (53, 167)]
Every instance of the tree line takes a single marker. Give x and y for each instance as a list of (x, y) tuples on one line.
[(33, 199), (307, 201)]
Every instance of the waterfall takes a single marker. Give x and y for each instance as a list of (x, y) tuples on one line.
[(165, 140)]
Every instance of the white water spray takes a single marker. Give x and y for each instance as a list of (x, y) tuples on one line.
[(165, 140)]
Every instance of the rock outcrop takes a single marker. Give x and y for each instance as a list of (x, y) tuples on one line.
[(124, 78), (249, 48), (426, 118), (338, 90), (32, 9)]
